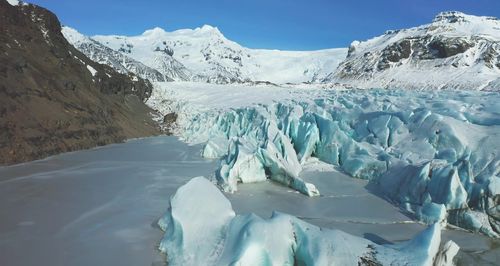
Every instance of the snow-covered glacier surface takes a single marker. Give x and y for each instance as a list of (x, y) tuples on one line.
[(433, 154), (195, 236)]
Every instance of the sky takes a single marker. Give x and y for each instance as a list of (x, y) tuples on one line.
[(271, 24)]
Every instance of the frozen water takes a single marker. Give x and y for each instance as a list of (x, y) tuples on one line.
[(94, 207), (97, 207)]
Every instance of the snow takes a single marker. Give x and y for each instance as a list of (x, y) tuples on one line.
[(209, 56), (91, 70), (73, 36), (433, 153), (13, 2), (193, 237)]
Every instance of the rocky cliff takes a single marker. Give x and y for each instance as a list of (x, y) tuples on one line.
[(53, 98)]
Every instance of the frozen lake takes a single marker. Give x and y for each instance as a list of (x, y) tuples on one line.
[(94, 207), (100, 206)]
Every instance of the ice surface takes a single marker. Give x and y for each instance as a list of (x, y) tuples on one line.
[(93, 207), (106, 202), (421, 149), (193, 235)]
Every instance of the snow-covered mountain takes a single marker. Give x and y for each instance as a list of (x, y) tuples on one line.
[(454, 51), (210, 57), (123, 63)]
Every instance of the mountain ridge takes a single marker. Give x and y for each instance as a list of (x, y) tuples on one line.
[(208, 56), (455, 51)]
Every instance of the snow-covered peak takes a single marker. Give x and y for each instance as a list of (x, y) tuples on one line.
[(13, 2), (457, 17), (156, 31), (207, 29), (448, 24), (450, 17), (460, 24), (198, 31), (73, 36)]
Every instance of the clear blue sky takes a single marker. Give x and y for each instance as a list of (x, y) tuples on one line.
[(286, 24)]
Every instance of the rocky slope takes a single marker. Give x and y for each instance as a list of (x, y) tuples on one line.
[(454, 51), (204, 54), (53, 98)]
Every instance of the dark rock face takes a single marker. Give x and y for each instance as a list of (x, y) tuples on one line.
[(397, 51), (170, 118), (53, 98), (449, 17), (418, 49), (443, 48), (491, 57)]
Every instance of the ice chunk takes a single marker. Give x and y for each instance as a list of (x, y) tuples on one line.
[(202, 229), (445, 187), (446, 254), (421, 250), (474, 221), (215, 148), (431, 213), (242, 164), (306, 139), (252, 240), (195, 225)]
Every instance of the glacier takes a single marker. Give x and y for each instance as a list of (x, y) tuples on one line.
[(194, 236), (434, 154)]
